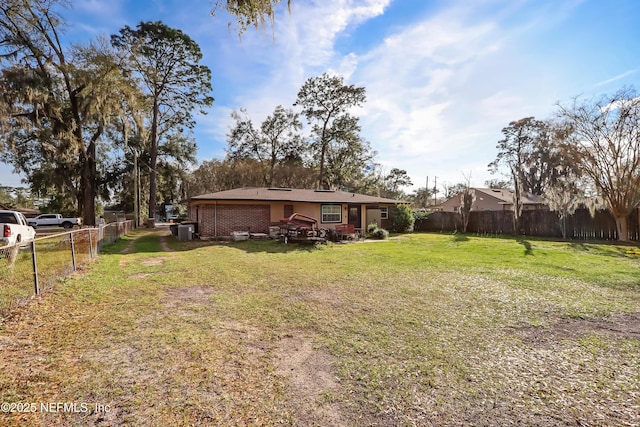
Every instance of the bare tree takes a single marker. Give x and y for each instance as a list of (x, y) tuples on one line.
[(564, 197), (605, 142), (467, 199)]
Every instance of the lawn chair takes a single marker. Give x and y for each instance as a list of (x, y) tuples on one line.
[(346, 232)]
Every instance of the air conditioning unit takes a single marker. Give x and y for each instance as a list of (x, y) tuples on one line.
[(185, 232)]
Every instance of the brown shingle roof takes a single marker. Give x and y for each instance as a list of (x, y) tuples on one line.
[(506, 196), (293, 195)]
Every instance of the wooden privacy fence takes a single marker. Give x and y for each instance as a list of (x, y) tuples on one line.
[(581, 225)]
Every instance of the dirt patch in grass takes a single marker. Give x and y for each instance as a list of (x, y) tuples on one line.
[(139, 276), (625, 326), (311, 380), (151, 262), (163, 244), (129, 248), (124, 261), (191, 295)]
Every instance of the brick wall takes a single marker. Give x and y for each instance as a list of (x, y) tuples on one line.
[(221, 220)]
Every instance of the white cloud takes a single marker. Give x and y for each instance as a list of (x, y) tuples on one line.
[(416, 78), (440, 91), (416, 83), (269, 71), (315, 27)]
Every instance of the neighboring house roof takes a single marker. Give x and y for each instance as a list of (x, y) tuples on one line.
[(501, 197), (24, 211), (293, 195), (506, 196), (502, 194)]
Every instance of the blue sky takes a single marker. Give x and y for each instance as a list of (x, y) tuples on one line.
[(442, 77)]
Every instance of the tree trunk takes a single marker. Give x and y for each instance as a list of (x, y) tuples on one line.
[(323, 152), (153, 153), (89, 187), (321, 177), (87, 178), (80, 195), (622, 227), (517, 200)]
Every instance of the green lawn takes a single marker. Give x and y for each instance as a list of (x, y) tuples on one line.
[(424, 329)]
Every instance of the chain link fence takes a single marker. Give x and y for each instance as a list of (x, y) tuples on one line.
[(26, 269)]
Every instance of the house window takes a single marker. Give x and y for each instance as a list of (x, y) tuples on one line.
[(384, 213), (331, 213)]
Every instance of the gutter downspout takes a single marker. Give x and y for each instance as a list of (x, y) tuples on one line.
[(215, 219)]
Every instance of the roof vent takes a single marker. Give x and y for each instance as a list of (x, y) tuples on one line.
[(320, 190), (279, 189)]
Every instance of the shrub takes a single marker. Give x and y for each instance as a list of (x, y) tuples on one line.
[(379, 233), (421, 214), (401, 218), (371, 227)]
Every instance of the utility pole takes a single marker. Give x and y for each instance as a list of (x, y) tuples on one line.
[(426, 196), (435, 189)]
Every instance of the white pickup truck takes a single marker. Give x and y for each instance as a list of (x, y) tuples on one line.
[(53, 220), (15, 228)]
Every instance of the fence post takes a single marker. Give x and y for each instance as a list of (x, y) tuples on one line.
[(35, 267), (100, 237), (73, 251), (89, 230)]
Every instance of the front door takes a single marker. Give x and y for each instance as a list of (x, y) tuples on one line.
[(355, 215)]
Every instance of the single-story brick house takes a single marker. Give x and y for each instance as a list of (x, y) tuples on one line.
[(256, 209)]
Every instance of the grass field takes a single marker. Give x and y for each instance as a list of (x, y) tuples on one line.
[(424, 329)]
